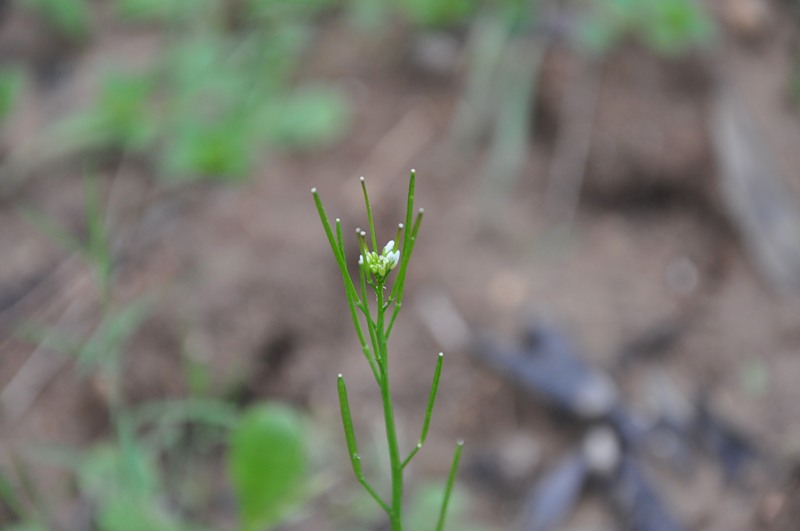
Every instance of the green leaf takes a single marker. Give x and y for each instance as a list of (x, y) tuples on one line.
[(267, 464), (71, 17), (11, 84), (438, 13), (675, 26), (124, 106), (223, 150), (160, 10), (123, 483), (668, 27), (310, 117), (369, 15), (279, 10), (120, 117), (106, 472), (426, 503), (9, 496), (27, 526)]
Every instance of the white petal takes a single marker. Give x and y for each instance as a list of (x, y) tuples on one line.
[(389, 247)]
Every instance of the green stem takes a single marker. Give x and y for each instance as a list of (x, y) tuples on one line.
[(369, 216), (353, 300), (395, 516), (437, 373), (352, 445), (449, 488), (399, 284), (353, 304)]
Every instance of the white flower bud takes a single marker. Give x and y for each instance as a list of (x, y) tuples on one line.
[(380, 264)]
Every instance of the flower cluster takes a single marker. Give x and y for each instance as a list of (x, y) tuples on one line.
[(380, 264)]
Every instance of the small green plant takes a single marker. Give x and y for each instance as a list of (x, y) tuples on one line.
[(379, 314)]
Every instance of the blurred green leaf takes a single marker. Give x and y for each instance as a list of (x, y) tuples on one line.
[(309, 117), (124, 484), (27, 526), (9, 496), (423, 511), (71, 17), (121, 116), (160, 10), (224, 149), (12, 81), (368, 14), (438, 13), (667, 27), (267, 464), (216, 99), (98, 246), (124, 107), (279, 10), (599, 36), (675, 26)]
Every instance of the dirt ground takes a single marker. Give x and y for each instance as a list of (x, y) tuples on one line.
[(247, 272)]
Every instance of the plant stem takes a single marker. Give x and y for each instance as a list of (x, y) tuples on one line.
[(395, 517), (451, 479)]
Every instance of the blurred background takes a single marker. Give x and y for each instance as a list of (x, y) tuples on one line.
[(610, 260)]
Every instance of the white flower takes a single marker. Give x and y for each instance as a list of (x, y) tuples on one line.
[(380, 264)]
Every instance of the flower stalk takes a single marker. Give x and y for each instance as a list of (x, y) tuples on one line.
[(378, 314)]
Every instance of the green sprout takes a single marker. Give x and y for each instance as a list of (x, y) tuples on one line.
[(375, 269)]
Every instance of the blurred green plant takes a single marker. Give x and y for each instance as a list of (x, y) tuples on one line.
[(159, 10), (503, 55), (122, 481), (225, 100), (668, 27), (95, 248), (121, 117), (148, 474), (221, 92), (72, 18), (438, 13), (12, 82)]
